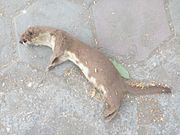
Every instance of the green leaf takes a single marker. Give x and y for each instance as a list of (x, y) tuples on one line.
[(121, 69)]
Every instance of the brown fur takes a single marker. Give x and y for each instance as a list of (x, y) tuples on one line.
[(96, 67)]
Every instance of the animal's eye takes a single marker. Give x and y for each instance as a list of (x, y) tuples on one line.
[(30, 33)]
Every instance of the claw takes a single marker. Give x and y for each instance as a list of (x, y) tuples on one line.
[(49, 68)]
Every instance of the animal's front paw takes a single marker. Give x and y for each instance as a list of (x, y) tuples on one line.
[(49, 68)]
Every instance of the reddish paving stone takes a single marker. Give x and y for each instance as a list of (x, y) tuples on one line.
[(130, 27)]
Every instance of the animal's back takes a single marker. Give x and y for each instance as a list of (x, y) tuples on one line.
[(99, 66)]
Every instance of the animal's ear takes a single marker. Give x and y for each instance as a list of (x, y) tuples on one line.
[(30, 31), (51, 34)]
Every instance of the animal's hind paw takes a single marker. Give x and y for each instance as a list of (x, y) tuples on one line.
[(109, 113)]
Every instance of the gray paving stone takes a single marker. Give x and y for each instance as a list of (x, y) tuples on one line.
[(157, 118), (143, 130), (130, 28), (175, 10), (162, 65), (84, 3), (149, 112), (6, 44), (13, 7), (5, 31)]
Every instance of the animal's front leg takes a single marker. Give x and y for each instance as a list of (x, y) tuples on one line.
[(54, 61), (58, 56)]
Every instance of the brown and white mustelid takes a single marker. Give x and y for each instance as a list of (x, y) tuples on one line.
[(95, 66)]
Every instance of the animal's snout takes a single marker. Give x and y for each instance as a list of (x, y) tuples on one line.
[(23, 41)]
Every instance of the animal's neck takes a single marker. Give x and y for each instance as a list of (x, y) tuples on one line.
[(45, 39)]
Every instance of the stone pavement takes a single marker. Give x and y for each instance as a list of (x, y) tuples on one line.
[(143, 35)]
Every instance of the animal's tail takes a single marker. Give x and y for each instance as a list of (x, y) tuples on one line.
[(142, 88)]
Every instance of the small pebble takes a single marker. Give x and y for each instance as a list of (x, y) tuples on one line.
[(95, 70), (29, 84), (113, 13), (40, 85), (24, 11), (3, 84), (8, 129), (154, 64), (96, 41)]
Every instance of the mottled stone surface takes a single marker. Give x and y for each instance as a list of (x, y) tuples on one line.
[(130, 28), (6, 42), (175, 10), (139, 33), (11, 8)]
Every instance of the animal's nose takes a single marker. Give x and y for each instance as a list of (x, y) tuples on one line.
[(23, 41)]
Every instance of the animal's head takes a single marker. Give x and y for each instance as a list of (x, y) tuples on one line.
[(29, 35), (36, 36)]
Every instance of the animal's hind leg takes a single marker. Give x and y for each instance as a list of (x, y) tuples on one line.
[(97, 94)]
